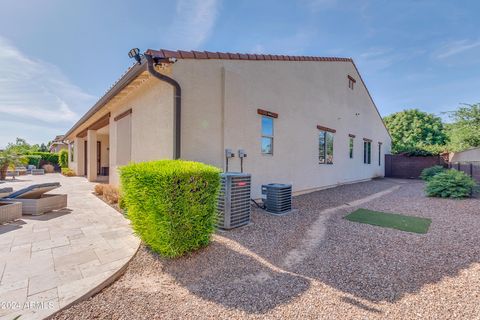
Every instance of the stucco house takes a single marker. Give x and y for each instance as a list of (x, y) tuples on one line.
[(470, 155), (308, 121), (57, 144)]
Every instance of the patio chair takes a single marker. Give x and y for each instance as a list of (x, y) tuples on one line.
[(21, 171), (35, 201), (38, 172), (30, 167), (5, 192)]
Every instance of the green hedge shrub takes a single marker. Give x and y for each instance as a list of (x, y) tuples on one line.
[(46, 157), (33, 159), (429, 173), (171, 203), (450, 184), (63, 158)]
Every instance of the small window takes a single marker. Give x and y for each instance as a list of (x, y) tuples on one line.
[(267, 135), (367, 152), (350, 147), (325, 147), (379, 153), (351, 82)]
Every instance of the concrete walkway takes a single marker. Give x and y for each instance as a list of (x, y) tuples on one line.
[(49, 261)]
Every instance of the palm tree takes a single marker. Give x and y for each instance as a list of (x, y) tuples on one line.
[(8, 159)]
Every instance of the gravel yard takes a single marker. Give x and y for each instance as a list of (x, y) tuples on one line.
[(314, 264)]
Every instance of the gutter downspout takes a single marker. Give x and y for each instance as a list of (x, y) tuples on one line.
[(177, 103)]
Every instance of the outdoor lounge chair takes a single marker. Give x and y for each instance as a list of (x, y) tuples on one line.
[(35, 201), (9, 211), (5, 192)]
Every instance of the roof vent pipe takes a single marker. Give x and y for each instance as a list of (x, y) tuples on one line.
[(177, 102)]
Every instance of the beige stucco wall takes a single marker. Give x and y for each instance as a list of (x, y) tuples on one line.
[(151, 124), (467, 155), (220, 99), (220, 102)]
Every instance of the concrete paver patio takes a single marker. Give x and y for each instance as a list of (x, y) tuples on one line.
[(49, 261)]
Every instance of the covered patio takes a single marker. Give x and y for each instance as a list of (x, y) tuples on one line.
[(90, 151)]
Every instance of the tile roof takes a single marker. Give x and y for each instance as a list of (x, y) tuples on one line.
[(179, 54)]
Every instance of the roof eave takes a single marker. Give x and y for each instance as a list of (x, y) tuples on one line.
[(124, 81)]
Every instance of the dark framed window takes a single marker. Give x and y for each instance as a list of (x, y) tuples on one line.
[(379, 153), (325, 147), (267, 135), (367, 151), (350, 147)]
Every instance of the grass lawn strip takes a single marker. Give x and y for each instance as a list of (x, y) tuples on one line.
[(390, 220)]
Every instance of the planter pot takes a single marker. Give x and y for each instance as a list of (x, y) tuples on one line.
[(46, 203), (10, 211)]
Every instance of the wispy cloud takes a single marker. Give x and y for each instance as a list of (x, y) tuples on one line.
[(193, 23), (37, 93), (457, 47)]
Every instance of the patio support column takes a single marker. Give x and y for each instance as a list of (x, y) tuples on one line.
[(92, 155), (79, 156)]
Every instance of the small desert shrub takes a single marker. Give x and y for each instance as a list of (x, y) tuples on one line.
[(450, 184), (63, 158), (171, 203), (68, 172), (48, 168), (429, 173), (111, 193), (99, 189)]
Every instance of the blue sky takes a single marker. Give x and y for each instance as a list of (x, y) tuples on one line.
[(57, 57)]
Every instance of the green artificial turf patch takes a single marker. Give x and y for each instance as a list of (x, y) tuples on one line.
[(390, 220)]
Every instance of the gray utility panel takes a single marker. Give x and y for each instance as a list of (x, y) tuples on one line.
[(234, 200)]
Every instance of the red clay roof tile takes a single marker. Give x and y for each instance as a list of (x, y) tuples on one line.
[(186, 54), (162, 53), (212, 55)]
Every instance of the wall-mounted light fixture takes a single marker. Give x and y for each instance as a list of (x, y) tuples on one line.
[(135, 53)]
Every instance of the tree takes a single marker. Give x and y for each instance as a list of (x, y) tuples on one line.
[(9, 159), (464, 132), (43, 148), (414, 129), (21, 147)]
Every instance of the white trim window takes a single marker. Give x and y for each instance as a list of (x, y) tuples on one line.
[(267, 135)]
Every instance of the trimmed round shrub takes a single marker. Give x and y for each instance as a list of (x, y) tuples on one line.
[(63, 158), (429, 173), (171, 203), (450, 184)]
